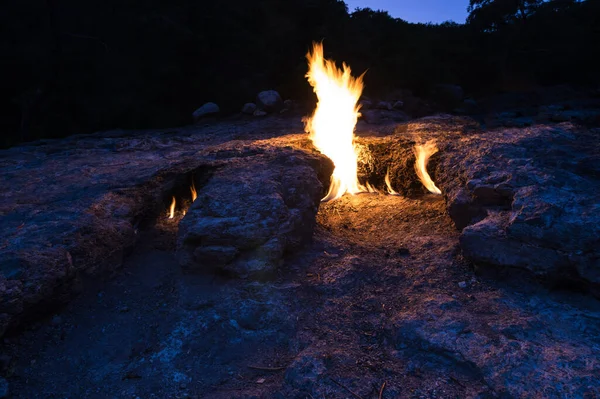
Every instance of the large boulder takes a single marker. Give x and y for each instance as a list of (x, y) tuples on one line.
[(205, 110), (269, 100), (253, 210), (528, 199)]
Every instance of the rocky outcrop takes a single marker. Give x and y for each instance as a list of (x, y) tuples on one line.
[(523, 198), (527, 198), (205, 110), (254, 209), (72, 207)]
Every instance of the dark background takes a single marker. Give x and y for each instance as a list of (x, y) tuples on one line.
[(73, 66)]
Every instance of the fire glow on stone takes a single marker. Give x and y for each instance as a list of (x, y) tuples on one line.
[(331, 127)]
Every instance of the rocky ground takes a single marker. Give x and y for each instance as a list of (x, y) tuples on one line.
[(383, 302)]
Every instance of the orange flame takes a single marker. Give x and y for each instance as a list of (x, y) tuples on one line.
[(388, 184), (371, 189), (194, 193), (172, 209), (423, 152), (331, 127)]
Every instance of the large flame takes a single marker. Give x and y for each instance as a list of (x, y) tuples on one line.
[(331, 128), (423, 152)]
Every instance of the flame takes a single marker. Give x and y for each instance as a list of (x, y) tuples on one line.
[(388, 184), (422, 153), (194, 193), (172, 209), (331, 127), (371, 189)]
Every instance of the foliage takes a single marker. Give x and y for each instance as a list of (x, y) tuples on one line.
[(493, 14)]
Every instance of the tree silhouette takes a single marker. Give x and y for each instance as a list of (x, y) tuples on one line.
[(493, 14)]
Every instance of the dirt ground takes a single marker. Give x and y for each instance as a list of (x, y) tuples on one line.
[(380, 305)]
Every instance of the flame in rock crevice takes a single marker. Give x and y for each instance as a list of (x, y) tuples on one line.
[(193, 191), (388, 184), (331, 127), (172, 209), (423, 152), (371, 189)]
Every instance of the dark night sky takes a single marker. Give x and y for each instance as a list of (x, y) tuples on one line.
[(435, 11)]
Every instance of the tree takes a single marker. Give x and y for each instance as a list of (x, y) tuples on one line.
[(491, 15)]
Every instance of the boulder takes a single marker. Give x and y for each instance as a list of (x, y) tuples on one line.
[(205, 110), (249, 108), (269, 101), (530, 200), (398, 105), (251, 212)]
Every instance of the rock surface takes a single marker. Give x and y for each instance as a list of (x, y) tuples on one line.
[(255, 208), (381, 295), (205, 110), (530, 199), (524, 198), (269, 100), (75, 204)]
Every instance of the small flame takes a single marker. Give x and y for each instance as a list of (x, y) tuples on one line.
[(194, 193), (388, 184), (331, 127), (371, 189), (172, 209), (423, 152)]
